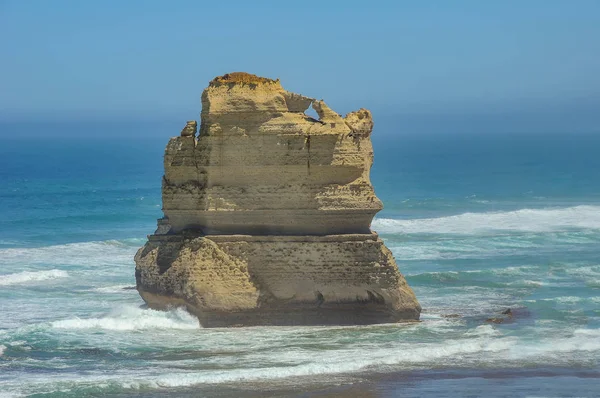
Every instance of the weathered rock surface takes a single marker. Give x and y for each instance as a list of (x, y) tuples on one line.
[(268, 213)]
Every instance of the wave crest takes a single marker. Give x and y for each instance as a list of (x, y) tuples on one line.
[(92, 253), (524, 220), (31, 277), (134, 318)]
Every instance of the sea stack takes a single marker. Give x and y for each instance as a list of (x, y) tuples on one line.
[(267, 215)]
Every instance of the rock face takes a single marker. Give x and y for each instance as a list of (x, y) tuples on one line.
[(268, 213)]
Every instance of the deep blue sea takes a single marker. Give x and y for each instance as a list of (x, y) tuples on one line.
[(478, 223)]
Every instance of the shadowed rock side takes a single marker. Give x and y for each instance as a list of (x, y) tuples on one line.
[(268, 213)]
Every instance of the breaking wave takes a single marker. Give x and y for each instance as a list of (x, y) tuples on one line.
[(115, 289), (481, 347), (133, 318), (492, 277), (89, 253), (31, 277), (524, 220)]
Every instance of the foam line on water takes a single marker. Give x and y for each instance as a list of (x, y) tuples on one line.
[(91, 253), (26, 277), (524, 220), (487, 245), (128, 318), (493, 276), (484, 346), (115, 289), (347, 361)]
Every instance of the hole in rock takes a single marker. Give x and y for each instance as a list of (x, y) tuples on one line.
[(310, 112)]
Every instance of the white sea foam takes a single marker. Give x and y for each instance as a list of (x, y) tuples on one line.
[(352, 361), (26, 277), (2, 348), (133, 318), (584, 272), (484, 346), (525, 220), (90, 253), (527, 283), (530, 271), (508, 271), (514, 271), (583, 344), (443, 250), (566, 299), (483, 331), (587, 333), (4, 394), (115, 289), (342, 362)]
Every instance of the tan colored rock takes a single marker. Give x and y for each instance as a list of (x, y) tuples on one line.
[(325, 113), (190, 129), (360, 122), (276, 280), (267, 216), (258, 167)]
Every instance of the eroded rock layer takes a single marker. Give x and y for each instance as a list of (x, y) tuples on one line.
[(267, 216)]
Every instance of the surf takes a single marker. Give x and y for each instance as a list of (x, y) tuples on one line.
[(26, 277), (130, 318), (582, 217)]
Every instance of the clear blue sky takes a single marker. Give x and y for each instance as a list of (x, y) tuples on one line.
[(153, 58)]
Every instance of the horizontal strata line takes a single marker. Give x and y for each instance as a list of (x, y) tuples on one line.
[(350, 185), (289, 167), (302, 213), (269, 238)]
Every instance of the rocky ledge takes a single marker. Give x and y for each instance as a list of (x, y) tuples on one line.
[(267, 215)]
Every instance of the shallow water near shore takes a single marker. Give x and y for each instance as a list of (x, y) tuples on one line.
[(477, 225)]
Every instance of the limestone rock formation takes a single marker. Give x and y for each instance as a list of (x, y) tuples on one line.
[(267, 215)]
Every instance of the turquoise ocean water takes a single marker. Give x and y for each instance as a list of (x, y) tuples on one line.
[(478, 224)]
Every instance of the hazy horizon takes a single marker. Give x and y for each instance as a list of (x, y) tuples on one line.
[(502, 66)]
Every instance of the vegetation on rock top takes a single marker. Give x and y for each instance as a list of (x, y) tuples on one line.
[(241, 78)]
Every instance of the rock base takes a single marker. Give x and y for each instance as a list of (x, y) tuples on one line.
[(243, 280)]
